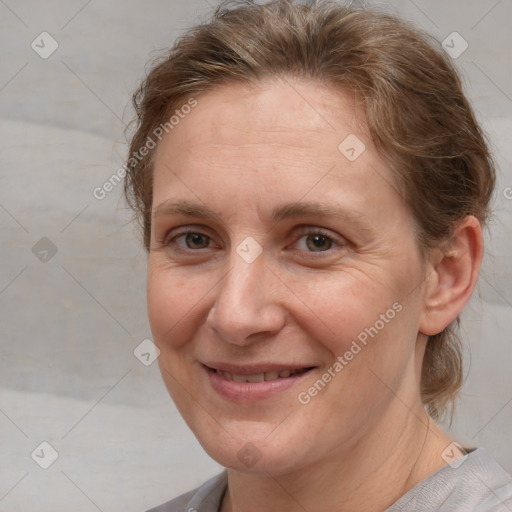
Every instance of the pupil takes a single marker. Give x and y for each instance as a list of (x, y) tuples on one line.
[(195, 239), (320, 242)]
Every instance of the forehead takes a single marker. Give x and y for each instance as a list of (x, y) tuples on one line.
[(271, 111), (275, 137)]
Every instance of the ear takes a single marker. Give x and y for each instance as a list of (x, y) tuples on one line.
[(453, 273)]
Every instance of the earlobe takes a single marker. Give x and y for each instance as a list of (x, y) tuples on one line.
[(453, 276)]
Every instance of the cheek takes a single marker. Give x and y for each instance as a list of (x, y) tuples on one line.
[(173, 303), (339, 307), (364, 320)]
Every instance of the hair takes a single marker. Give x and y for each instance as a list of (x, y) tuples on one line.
[(417, 115)]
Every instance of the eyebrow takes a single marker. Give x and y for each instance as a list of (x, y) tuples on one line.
[(282, 212), (313, 209), (186, 208)]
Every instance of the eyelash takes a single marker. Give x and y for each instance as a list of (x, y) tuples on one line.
[(169, 241)]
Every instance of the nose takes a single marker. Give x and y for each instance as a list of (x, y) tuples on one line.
[(247, 307)]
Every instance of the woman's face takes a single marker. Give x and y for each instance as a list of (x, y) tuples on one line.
[(285, 286)]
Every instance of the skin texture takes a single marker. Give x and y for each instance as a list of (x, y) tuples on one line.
[(364, 439)]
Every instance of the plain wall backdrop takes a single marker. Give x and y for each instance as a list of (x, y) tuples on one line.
[(72, 269)]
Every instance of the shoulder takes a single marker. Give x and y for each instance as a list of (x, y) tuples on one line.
[(477, 483), (205, 498)]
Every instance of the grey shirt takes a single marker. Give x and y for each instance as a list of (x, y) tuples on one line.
[(477, 484)]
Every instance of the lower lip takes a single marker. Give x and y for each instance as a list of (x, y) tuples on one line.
[(252, 391)]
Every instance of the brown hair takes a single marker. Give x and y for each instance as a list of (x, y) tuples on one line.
[(418, 117)]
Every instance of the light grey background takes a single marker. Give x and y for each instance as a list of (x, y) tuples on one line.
[(69, 326)]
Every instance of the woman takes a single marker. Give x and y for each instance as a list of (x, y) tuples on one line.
[(312, 186)]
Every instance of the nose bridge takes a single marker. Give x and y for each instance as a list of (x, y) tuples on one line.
[(244, 305), (243, 288)]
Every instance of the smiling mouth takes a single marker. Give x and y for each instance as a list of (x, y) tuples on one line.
[(259, 377)]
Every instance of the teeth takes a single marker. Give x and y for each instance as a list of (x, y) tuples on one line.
[(259, 377)]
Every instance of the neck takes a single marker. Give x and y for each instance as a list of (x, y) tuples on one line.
[(370, 475)]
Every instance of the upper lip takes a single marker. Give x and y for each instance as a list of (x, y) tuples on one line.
[(255, 369)]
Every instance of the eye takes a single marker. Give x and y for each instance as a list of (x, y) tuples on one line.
[(317, 240), (318, 243), (190, 240)]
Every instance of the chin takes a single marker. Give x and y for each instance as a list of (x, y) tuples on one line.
[(253, 454)]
